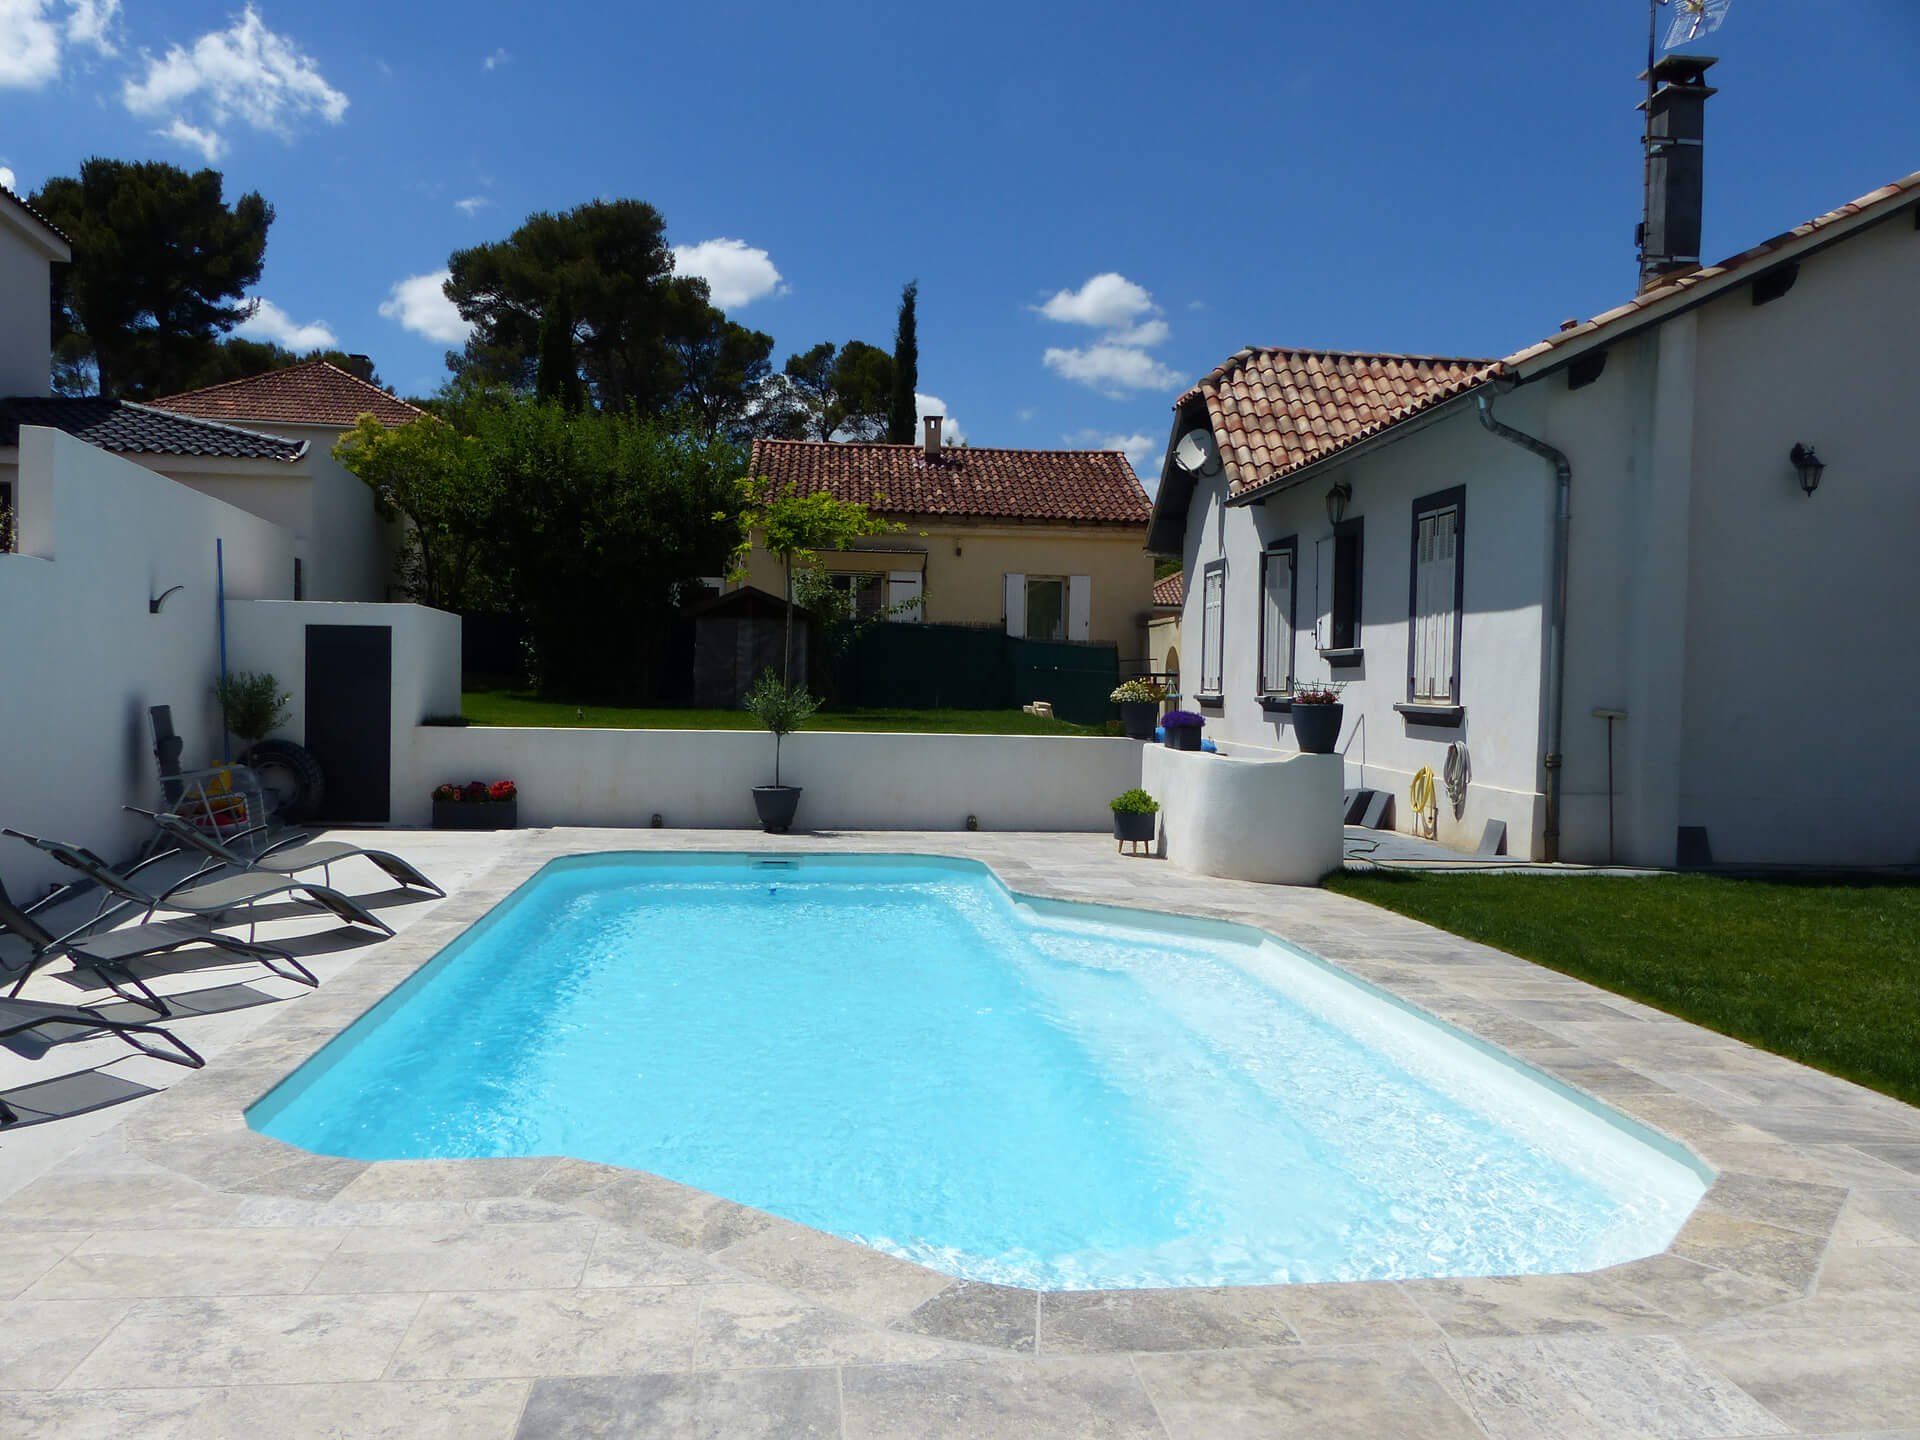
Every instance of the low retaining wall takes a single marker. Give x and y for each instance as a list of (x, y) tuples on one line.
[(1274, 821), (701, 778)]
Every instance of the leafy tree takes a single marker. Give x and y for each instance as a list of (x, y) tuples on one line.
[(611, 261), (429, 474), (160, 266), (839, 392), (558, 378), (902, 412), (723, 369)]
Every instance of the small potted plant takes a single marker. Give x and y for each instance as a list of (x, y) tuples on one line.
[(782, 710), (1139, 701), (1317, 713), (477, 805), (1183, 729), (1133, 812)]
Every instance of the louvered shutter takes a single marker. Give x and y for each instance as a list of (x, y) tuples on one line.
[(1276, 659), (1435, 559), (1079, 607), (1212, 648), (1016, 605)]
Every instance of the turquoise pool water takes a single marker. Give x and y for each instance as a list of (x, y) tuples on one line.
[(900, 1051)]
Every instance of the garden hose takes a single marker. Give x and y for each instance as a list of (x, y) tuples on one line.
[(1420, 796), (1457, 772)]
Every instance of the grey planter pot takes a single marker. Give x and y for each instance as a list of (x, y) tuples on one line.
[(476, 814), (1316, 728), (1183, 737), (1138, 717), (776, 805), (1127, 826)]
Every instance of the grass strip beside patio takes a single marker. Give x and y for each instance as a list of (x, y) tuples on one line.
[(522, 708), (1822, 971)]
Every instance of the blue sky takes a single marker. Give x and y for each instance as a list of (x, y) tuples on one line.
[(1101, 202)]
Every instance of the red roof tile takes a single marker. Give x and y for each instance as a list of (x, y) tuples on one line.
[(312, 393), (1170, 591), (1095, 487), (1274, 409)]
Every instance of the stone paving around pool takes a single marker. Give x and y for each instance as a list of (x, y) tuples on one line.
[(165, 1271)]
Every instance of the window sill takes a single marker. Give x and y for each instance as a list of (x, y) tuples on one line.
[(1344, 659), (1448, 716), (1281, 704), (1210, 702)]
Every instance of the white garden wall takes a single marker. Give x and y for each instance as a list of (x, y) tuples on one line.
[(81, 655), (701, 778), (1273, 821)]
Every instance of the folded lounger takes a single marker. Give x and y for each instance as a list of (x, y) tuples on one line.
[(288, 857), (197, 895), (21, 1015), (107, 954)]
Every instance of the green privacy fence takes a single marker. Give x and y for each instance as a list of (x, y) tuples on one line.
[(967, 667)]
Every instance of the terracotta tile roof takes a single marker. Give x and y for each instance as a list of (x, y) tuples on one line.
[(1094, 487), (312, 393), (1273, 410), (1171, 591), (1344, 429), (130, 429)]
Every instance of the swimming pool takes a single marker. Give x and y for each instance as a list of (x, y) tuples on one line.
[(899, 1050)]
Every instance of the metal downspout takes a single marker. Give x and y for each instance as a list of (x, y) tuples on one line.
[(1557, 626)]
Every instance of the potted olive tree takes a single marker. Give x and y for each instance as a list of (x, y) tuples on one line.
[(1133, 812), (1317, 713), (782, 709), (253, 706), (1139, 701)]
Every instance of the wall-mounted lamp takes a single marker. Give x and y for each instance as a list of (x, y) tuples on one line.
[(154, 602), (1809, 466), (1337, 499)]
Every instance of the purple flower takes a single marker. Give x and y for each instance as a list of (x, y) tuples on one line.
[(1182, 719)]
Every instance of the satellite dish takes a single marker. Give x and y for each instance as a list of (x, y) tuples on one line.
[(1196, 453), (1694, 18)]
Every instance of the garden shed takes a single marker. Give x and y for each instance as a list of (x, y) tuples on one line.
[(735, 637)]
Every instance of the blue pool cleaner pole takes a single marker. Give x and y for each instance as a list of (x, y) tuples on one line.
[(220, 602)]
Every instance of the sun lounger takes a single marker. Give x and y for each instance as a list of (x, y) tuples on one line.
[(108, 953), (197, 895), (19, 1016), (288, 857)]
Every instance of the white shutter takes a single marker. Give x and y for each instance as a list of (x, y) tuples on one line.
[(1276, 660), (1016, 605), (1212, 639), (902, 586), (1436, 541), (1323, 593), (1079, 607)]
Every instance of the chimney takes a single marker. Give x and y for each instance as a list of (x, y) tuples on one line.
[(932, 422), (1676, 107)]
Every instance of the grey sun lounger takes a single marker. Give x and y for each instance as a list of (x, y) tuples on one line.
[(197, 895), (287, 857), (108, 953), (19, 1016)]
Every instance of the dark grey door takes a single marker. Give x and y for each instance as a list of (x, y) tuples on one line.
[(350, 716)]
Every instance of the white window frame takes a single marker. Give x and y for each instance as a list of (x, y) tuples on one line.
[(1026, 625), (1277, 641), (1435, 612)]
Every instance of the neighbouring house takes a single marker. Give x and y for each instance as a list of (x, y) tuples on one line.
[(1163, 630), (1607, 576), (1045, 544)]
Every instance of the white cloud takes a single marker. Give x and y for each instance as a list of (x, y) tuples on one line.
[(736, 273), (1143, 451), (1107, 301), (270, 322), (1196, 304), (7, 181), (245, 72), (472, 205), (925, 405), (1112, 368), (495, 60), (420, 304), (34, 32)]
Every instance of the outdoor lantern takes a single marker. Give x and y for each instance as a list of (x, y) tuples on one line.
[(1809, 465), (1337, 499)]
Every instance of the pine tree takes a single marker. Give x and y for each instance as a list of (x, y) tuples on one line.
[(906, 369), (557, 380)]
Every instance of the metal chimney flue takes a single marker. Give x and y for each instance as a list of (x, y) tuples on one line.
[(1676, 107), (932, 423)]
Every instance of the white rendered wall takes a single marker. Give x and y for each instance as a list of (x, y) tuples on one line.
[(26, 323), (698, 778), (82, 656), (1274, 821)]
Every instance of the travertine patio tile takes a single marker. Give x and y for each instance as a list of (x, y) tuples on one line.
[(373, 1258), (1105, 1322), (745, 1326), (621, 1257), (874, 1287), (1036, 1398), (249, 1340), (43, 1341), (671, 1212), (100, 1414), (444, 1180), (1348, 1394), (165, 1201), (999, 1316), (1880, 1217), (26, 1256), (740, 1405), (502, 1333), (1902, 1157), (310, 1177), (379, 1410), (159, 1263), (1600, 1388), (1362, 1312), (1821, 1381), (1789, 1204), (1533, 1305), (1787, 1257), (1696, 1294)]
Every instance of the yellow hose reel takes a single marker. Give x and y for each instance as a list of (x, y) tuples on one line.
[(1426, 809)]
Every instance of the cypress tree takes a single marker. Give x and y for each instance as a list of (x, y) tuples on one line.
[(906, 369)]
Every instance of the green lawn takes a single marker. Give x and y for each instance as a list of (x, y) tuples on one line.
[(1822, 971), (513, 707)]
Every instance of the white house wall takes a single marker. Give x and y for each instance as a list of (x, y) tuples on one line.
[(351, 552), (82, 655), (26, 324)]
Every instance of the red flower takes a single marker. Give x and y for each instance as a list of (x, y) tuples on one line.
[(502, 790)]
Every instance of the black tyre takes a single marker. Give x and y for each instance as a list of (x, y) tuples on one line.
[(291, 778)]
